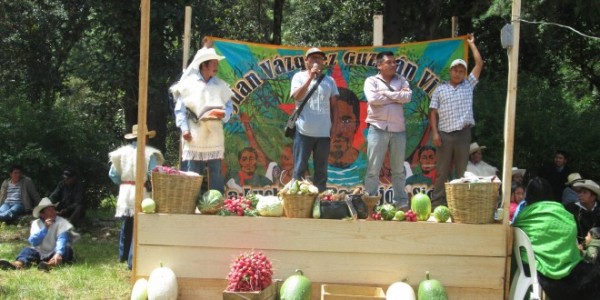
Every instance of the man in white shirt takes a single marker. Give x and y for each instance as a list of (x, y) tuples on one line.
[(476, 165)]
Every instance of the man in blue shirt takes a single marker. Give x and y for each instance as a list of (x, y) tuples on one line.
[(51, 238)]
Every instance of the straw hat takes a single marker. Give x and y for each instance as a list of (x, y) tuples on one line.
[(203, 55), (44, 203), (516, 170), (134, 133), (590, 185), (572, 178), (475, 147), (313, 51)]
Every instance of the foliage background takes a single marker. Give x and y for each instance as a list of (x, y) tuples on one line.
[(68, 71)]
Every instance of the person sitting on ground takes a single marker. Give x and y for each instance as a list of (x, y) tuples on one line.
[(592, 245), (516, 196), (518, 175), (476, 165), (569, 194), (68, 195), (586, 211), (51, 239), (17, 195), (561, 271)]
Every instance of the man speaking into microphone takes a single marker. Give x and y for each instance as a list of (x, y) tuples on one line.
[(313, 127)]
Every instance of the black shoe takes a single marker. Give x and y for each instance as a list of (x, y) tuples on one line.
[(44, 266), (6, 265)]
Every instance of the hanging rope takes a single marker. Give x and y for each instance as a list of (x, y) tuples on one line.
[(563, 26)]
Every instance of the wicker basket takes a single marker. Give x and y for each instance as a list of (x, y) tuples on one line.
[(472, 203), (175, 194), (298, 206)]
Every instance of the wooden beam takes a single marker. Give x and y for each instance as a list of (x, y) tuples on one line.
[(140, 171), (454, 32), (186, 36), (509, 126), (377, 29)]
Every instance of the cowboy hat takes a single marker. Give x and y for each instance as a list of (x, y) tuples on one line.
[(475, 147), (134, 133), (572, 178), (589, 185), (44, 203), (516, 170), (203, 55)]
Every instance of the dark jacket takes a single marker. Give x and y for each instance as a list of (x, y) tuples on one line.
[(68, 196), (584, 218), (29, 195)]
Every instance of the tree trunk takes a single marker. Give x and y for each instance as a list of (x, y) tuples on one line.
[(277, 20)]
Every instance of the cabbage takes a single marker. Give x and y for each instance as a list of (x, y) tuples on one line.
[(269, 206)]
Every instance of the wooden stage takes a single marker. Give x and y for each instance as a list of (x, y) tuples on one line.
[(469, 260)]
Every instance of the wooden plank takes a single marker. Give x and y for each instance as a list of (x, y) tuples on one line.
[(339, 267), (447, 239), (210, 289)]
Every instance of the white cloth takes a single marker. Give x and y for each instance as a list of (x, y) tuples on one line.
[(48, 245), (481, 169)]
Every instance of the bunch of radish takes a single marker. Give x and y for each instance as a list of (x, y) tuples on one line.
[(250, 271), (238, 206)]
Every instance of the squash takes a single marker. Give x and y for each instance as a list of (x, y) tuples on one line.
[(296, 287), (162, 284), (431, 289), (140, 290), (400, 291)]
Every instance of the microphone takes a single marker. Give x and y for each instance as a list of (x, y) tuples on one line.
[(318, 67)]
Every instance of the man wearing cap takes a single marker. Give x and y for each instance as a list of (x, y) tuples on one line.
[(203, 106), (313, 127), (451, 119), (476, 165), (386, 94), (17, 195), (122, 172), (586, 211), (569, 193), (51, 239), (68, 196)]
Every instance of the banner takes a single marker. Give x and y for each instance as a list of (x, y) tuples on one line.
[(259, 157)]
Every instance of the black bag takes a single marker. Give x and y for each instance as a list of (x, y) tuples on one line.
[(290, 125)]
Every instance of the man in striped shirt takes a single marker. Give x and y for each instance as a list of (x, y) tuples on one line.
[(17, 195), (451, 119)]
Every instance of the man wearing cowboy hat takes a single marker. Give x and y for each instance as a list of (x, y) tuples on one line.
[(451, 119), (313, 134), (569, 193), (203, 106), (518, 175), (122, 172), (586, 211), (51, 239), (476, 165)]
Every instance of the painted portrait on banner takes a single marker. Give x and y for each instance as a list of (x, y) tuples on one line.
[(259, 157)]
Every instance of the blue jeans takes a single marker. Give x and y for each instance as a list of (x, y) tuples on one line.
[(215, 178), (379, 141), (30, 255), (9, 211), (126, 240), (319, 147)]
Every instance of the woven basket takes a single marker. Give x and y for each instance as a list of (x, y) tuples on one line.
[(298, 206), (175, 194), (472, 203)]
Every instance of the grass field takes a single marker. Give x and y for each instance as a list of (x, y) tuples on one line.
[(97, 273)]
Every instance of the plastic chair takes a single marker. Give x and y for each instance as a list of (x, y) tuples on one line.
[(522, 282)]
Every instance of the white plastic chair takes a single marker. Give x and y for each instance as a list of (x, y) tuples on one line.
[(521, 282)]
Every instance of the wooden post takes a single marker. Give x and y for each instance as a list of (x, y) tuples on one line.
[(186, 35), (454, 21), (140, 170), (509, 131), (377, 29)]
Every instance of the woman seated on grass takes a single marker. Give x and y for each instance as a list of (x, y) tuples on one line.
[(562, 272)]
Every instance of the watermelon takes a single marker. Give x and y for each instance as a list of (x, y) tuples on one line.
[(441, 214), (296, 287), (211, 202), (421, 205), (387, 211), (431, 289)]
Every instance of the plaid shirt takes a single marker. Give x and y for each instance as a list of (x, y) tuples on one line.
[(454, 104)]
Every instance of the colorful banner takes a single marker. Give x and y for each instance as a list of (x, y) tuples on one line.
[(259, 157)]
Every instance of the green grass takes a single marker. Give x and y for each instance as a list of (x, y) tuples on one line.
[(97, 273)]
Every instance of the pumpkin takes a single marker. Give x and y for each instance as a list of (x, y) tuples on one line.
[(400, 291), (296, 287), (140, 290), (162, 284)]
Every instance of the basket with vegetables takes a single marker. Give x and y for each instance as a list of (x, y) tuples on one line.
[(298, 198)]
